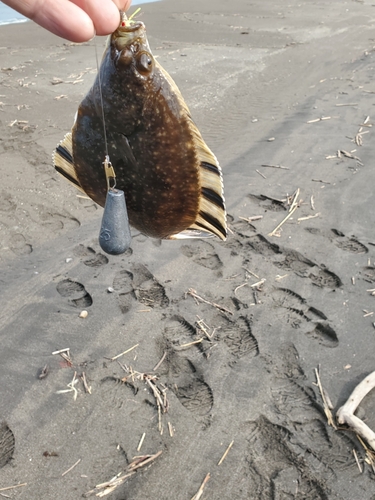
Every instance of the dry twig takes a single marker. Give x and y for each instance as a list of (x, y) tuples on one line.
[(293, 207), (13, 487), (104, 489), (326, 402), (225, 453), (71, 468), (199, 493), (125, 352), (194, 294)]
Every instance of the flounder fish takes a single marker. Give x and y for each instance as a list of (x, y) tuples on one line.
[(172, 181)]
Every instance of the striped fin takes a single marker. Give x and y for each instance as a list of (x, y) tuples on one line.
[(212, 215), (63, 161)]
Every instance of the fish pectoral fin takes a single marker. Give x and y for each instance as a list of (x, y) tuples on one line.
[(62, 159), (190, 234)]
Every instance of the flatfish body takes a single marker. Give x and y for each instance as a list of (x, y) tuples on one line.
[(172, 181)]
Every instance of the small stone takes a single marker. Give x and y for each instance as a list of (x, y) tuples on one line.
[(271, 139), (69, 259), (83, 314), (110, 289)]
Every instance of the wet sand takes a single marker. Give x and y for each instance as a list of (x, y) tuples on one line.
[(281, 94)]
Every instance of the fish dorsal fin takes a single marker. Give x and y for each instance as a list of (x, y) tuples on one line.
[(63, 161)]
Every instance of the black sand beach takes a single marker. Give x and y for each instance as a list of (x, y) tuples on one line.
[(284, 95)]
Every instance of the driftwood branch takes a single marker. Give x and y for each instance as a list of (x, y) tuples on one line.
[(345, 414)]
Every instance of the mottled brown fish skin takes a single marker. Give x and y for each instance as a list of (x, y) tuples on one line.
[(150, 143)]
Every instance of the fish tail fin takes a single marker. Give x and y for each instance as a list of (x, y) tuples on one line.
[(63, 161)]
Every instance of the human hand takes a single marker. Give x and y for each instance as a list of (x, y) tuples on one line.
[(75, 20)]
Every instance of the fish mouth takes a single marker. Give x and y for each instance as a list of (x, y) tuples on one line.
[(127, 33)]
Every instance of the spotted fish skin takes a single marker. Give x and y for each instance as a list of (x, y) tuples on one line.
[(171, 179)]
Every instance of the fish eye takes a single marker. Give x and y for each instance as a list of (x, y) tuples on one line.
[(144, 63)]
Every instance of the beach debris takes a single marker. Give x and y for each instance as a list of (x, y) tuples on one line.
[(279, 278), (83, 314), (72, 387), (347, 154), (347, 104), (141, 442), (199, 493), (171, 429), (50, 454), (260, 173), (198, 299), (358, 137), (122, 353), (160, 362), (71, 468), (104, 489), (189, 344), (312, 202), (323, 118), (308, 217), (357, 461), (85, 384), (225, 453), (367, 313), (13, 487), (320, 180), (370, 454), (327, 405), (345, 414), (160, 397), (43, 372), (22, 125), (275, 166), (294, 204), (172, 181), (251, 219), (203, 327), (65, 354), (158, 389)]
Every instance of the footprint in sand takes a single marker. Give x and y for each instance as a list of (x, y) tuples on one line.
[(7, 444), (18, 245), (56, 222), (350, 244), (7, 203), (75, 292), (182, 376), (90, 257), (292, 260), (138, 284), (238, 337), (299, 315), (203, 254)]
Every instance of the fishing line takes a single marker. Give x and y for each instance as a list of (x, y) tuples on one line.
[(101, 101)]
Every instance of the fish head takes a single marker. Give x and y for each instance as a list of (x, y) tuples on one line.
[(130, 49)]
